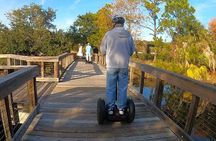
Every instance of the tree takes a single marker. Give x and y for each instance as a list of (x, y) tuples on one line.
[(85, 26), (212, 30), (212, 27), (178, 19), (103, 23), (73, 37), (3, 38), (32, 16), (153, 8), (30, 29)]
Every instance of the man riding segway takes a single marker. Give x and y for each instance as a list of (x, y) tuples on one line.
[(118, 46)]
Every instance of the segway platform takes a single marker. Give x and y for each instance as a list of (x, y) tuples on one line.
[(102, 112)]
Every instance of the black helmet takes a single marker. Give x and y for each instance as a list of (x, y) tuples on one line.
[(118, 20)]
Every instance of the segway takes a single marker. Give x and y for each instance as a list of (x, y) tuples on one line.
[(102, 112)]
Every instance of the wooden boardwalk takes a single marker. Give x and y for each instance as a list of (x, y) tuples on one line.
[(69, 113)]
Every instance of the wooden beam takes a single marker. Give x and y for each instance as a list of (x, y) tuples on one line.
[(172, 125), (6, 118), (12, 67), (8, 62), (192, 114), (131, 76), (16, 79), (13, 113), (42, 69), (158, 92), (32, 93), (141, 82), (56, 69), (21, 131)]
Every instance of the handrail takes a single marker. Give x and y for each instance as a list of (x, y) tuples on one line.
[(16, 79), (200, 89), (51, 67), (10, 83), (12, 67), (34, 58)]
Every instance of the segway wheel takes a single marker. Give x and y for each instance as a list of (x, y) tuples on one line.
[(130, 111), (101, 111)]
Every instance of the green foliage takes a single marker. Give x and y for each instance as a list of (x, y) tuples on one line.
[(85, 26), (103, 23), (178, 19), (153, 8), (190, 51), (171, 66), (144, 56), (32, 32)]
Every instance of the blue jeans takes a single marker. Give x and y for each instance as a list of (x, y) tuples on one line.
[(117, 76)]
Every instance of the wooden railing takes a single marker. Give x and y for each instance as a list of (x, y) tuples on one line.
[(23, 72), (9, 114), (51, 67), (199, 91)]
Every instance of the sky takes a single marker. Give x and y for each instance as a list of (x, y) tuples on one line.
[(68, 10)]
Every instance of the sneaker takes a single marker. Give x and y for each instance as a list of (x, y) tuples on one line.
[(121, 111), (110, 111)]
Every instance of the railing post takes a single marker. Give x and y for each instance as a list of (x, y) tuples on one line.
[(21, 62), (72, 57), (158, 92), (14, 61), (56, 69), (60, 67), (32, 93), (192, 114), (28, 63), (96, 58), (13, 111), (8, 62), (142, 82), (131, 76), (66, 61), (104, 60), (6, 118), (42, 69)]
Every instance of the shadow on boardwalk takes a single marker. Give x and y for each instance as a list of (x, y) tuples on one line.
[(87, 70)]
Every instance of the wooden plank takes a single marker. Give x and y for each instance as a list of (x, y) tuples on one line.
[(6, 118), (29, 120), (36, 58), (173, 126), (152, 136), (42, 69), (16, 79), (26, 124), (56, 70), (8, 61), (99, 135), (158, 92), (13, 111), (47, 79), (12, 67), (131, 76), (192, 114), (81, 126), (32, 93), (141, 84)]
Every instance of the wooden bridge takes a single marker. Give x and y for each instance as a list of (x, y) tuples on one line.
[(60, 94)]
